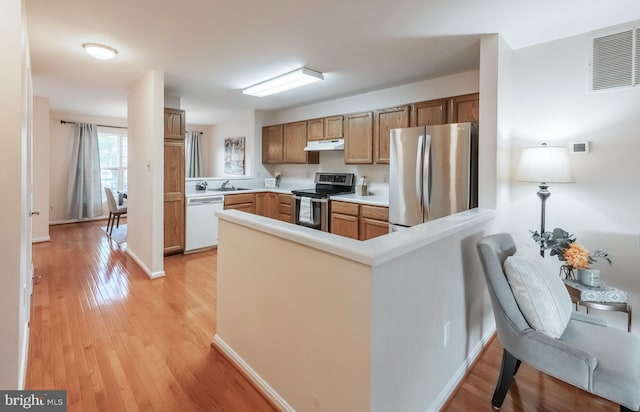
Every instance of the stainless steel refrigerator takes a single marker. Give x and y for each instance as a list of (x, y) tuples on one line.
[(433, 172)]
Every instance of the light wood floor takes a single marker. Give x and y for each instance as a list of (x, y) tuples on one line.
[(530, 390), (117, 341)]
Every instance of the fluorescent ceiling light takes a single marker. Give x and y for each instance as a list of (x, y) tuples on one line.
[(100, 51), (284, 82)]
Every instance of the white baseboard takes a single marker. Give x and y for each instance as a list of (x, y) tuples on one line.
[(23, 358), (150, 274), (65, 221), (451, 386), (262, 385), (40, 239)]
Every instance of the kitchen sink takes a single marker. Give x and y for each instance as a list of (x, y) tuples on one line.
[(228, 189)]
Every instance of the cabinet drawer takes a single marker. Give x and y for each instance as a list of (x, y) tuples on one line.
[(346, 208), (375, 212), (284, 199), (239, 198), (284, 209)]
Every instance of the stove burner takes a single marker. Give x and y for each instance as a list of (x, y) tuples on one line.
[(328, 184)]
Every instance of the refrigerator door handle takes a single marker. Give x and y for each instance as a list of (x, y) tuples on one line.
[(419, 174), (426, 192)]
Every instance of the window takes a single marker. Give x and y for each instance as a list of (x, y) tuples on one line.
[(113, 160)]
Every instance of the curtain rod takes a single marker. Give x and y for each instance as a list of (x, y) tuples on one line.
[(99, 125), (194, 131)]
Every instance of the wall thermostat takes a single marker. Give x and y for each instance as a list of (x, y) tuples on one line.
[(580, 147)]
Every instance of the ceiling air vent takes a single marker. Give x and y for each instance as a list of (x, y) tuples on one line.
[(613, 61)]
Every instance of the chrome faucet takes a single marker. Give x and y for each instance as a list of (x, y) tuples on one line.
[(225, 184)]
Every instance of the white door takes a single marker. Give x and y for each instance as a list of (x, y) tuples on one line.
[(28, 285)]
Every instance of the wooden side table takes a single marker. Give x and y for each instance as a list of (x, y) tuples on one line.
[(602, 298)]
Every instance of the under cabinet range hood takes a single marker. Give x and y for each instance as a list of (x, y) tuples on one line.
[(322, 145)]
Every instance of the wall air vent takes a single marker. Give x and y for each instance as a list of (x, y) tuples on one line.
[(613, 61)]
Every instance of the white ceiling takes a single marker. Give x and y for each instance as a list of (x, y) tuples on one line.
[(210, 49)]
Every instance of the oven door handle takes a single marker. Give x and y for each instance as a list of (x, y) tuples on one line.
[(313, 199)]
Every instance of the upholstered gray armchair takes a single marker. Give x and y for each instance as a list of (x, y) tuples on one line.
[(598, 359)]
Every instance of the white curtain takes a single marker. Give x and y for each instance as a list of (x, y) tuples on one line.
[(84, 191), (193, 155)]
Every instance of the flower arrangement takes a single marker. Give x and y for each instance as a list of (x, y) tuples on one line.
[(564, 246)]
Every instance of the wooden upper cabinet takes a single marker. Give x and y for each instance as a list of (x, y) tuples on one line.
[(295, 140), (325, 128), (465, 108), (383, 122), (174, 124), (272, 144), (358, 138), (315, 129), (333, 127), (429, 113)]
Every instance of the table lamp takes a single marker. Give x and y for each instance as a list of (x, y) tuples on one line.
[(544, 164)]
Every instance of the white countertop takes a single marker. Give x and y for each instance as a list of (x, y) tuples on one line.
[(378, 198), (372, 252), (375, 199)]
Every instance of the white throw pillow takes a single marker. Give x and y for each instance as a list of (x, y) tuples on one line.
[(540, 293)]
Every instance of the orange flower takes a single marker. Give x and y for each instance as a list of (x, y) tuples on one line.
[(576, 256)]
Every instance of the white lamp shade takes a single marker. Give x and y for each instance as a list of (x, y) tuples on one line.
[(545, 165)]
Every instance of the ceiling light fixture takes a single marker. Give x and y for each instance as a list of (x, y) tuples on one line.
[(100, 51), (291, 80)]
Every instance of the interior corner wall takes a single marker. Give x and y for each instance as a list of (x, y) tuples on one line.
[(145, 220), (13, 208), (242, 123), (495, 128), (554, 105), (40, 223)]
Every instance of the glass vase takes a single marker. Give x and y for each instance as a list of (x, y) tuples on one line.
[(567, 272)]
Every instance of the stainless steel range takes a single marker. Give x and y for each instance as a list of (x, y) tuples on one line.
[(310, 207)]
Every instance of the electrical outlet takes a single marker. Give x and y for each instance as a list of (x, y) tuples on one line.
[(307, 174), (447, 333), (385, 178)]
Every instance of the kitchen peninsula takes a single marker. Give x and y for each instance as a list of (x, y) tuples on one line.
[(322, 322)]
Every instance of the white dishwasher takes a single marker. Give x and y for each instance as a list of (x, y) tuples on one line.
[(202, 222)]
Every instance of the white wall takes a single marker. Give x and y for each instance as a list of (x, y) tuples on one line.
[(304, 328), (206, 146), (145, 221), (452, 85), (61, 143), (413, 298), (40, 229), (15, 236), (242, 123), (553, 105)]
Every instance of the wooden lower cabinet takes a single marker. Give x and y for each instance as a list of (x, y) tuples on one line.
[(284, 207), (241, 201), (358, 221), (267, 204), (344, 225)]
